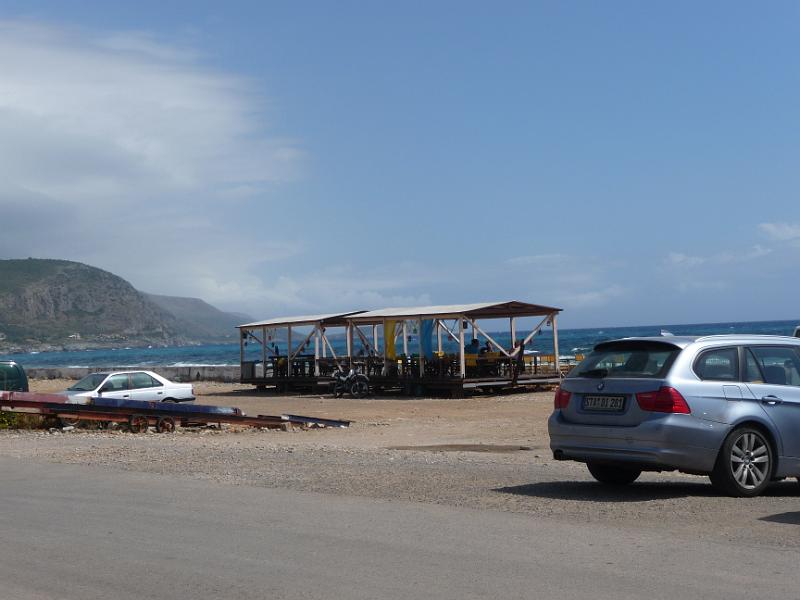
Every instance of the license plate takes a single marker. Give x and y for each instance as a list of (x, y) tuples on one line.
[(604, 403)]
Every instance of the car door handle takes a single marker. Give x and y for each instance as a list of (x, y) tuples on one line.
[(159, 393), (771, 400)]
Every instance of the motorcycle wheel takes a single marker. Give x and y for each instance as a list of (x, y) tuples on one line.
[(359, 389)]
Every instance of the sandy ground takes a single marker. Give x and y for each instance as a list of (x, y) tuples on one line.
[(485, 452)]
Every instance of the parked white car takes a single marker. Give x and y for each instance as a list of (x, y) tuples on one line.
[(129, 385)]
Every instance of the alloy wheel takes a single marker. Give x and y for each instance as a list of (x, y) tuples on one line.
[(750, 460)]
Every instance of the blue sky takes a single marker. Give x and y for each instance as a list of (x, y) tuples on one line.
[(630, 162)]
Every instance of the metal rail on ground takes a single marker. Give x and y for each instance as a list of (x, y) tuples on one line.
[(140, 415)]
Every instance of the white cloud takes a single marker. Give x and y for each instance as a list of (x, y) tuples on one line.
[(679, 260), (714, 272), (342, 288), (538, 260), (781, 231), (704, 285), (572, 281), (128, 153), (755, 252), (109, 117), (595, 298)]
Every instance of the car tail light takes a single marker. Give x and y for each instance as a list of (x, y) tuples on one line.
[(666, 400), (562, 398)]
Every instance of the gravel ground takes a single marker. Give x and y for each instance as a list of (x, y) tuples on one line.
[(485, 452)]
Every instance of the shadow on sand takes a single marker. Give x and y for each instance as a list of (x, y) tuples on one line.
[(591, 491), (787, 518), (252, 392)]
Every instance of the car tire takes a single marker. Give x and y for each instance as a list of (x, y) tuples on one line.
[(613, 475), (169, 400), (745, 463)]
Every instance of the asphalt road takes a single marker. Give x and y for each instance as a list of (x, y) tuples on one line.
[(72, 532)]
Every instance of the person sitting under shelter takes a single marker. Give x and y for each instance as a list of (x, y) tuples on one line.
[(487, 347), (518, 360), (472, 347)]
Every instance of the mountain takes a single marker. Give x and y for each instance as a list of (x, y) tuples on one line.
[(56, 303), (200, 320)]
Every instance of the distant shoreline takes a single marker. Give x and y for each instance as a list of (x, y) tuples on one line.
[(222, 374), (223, 355)]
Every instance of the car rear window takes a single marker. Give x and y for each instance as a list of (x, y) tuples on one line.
[(628, 359), (10, 378), (720, 364)]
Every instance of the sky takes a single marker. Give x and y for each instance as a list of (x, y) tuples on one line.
[(631, 163)]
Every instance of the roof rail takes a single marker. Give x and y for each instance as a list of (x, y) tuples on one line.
[(760, 336)]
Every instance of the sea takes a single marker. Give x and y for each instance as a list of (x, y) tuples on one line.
[(571, 342)]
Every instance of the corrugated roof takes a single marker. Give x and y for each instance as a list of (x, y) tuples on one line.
[(331, 319), (481, 310)]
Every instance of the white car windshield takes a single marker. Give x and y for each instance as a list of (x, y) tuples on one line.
[(88, 383)]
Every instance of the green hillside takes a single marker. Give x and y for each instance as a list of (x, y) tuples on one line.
[(63, 303)]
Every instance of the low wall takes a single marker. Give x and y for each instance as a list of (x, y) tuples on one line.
[(184, 374)]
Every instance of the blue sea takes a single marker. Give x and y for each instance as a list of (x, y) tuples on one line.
[(571, 342)]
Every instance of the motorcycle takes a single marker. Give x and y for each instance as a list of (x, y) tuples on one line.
[(355, 384)]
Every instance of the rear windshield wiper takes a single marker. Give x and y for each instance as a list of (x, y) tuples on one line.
[(599, 373)]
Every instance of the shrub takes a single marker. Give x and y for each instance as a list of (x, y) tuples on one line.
[(10, 420)]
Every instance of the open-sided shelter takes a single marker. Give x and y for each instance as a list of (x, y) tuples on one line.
[(445, 348), (297, 366), (429, 362)]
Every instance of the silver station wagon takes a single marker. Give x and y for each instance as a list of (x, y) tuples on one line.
[(726, 406)]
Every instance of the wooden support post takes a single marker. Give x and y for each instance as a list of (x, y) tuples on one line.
[(375, 338), (405, 339), (241, 351), (366, 343), (316, 351), (383, 350), (439, 335), (350, 343), (488, 337), (535, 330), (554, 322), (264, 351), (462, 359), (513, 332), (448, 332), (324, 346), (293, 352), (289, 351), (421, 354)]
